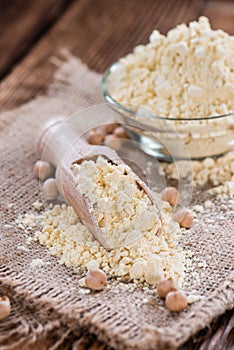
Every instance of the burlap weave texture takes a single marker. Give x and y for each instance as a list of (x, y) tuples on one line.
[(47, 300)]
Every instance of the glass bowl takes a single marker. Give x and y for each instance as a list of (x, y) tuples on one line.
[(170, 138)]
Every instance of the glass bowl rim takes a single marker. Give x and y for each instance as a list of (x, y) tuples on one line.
[(125, 109)]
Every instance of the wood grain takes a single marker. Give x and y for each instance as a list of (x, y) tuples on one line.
[(98, 32), (221, 14), (21, 24)]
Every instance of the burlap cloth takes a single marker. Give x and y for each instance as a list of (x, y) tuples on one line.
[(47, 303)]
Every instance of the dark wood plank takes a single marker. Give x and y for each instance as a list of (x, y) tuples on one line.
[(221, 13), (218, 336), (21, 24)]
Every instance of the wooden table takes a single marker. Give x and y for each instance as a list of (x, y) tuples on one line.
[(99, 32)]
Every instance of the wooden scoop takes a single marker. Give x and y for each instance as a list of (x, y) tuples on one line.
[(60, 145)]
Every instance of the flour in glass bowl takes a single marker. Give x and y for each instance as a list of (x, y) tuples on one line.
[(187, 74)]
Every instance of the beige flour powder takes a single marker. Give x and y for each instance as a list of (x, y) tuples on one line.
[(123, 210), (217, 172), (129, 221), (188, 73)]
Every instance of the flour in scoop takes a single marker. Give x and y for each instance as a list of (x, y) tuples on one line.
[(123, 210), (129, 221)]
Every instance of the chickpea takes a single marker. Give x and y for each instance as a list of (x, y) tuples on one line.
[(50, 189), (176, 301), (96, 279), (5, 307), (170, 195), (43, 170), (165, 286), (95, 137), (109, 128), (184, 217), (120, 132)]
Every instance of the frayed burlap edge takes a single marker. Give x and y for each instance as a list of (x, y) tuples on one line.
[(77, 317)]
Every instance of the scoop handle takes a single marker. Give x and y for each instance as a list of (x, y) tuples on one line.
[(55, 140)]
